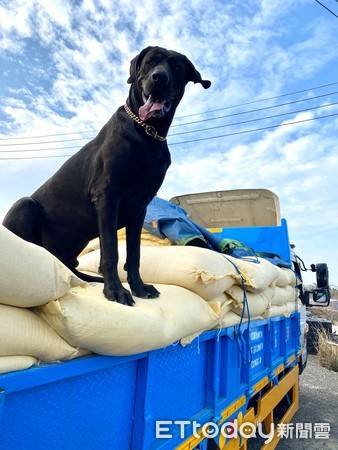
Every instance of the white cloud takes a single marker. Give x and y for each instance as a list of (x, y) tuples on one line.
[(65, 66)]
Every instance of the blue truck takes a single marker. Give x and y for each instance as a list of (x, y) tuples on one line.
[(228, 387)]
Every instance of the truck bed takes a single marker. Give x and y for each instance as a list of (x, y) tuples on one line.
[(100, 402)]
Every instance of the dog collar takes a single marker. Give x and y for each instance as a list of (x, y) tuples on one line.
[(149, 129)]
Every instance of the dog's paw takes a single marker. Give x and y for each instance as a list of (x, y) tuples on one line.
[(145, 291), (122, 296)]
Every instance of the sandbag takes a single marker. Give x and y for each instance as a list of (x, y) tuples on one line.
[(231, 319), (258, 274), (293, 278), (13, 363), (147, 238), (283, 295), (30, 275), (205, 272), (286, 277), (92, 245), (86, 319), (24, 333), (221, 304), (257, 303), (274, 311), (294, 306)]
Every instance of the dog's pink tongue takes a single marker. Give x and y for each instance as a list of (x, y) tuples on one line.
[(148, 109)]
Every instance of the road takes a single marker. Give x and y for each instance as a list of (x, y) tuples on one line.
[(318, 404)]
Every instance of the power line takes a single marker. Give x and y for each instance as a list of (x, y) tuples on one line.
[(197, 121), (258, 109), (195, 131), (191, 115), (50, 135), (254, 130), (45, 142), (254, 120), (261, 100), (40, 149), (201, 139), (36, 157), (327, 8)]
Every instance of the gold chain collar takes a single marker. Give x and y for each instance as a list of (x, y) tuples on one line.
[(149, 129)]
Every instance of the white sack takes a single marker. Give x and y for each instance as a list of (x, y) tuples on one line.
[(13, 363), (294, 306), (30, 275), (283, 295), (257, 303), (293, 278), (231, 319), (86, 319), (274, 311), (286, 277), (257, 275), (92, 245), (23, 333), (221, 304), (203, 271), (147, 238)]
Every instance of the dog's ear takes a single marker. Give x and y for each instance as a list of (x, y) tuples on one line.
[(195, 76), (135, 64)]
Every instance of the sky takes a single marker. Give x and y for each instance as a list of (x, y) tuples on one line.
[(269, 119)]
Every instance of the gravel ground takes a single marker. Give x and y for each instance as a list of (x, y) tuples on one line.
[(318, 404)]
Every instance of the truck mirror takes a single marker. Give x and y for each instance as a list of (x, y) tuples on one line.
[(321, 296), (322, 274)]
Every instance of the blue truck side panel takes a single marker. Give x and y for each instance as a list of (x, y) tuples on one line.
[(271, 239), (100, 402)]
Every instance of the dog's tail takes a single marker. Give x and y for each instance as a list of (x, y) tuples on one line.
[(89, 278)]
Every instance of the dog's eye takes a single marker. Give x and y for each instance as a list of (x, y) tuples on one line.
[(154, 62), (175, 66)]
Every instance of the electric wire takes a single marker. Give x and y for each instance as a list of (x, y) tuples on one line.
[(198, 121), (327, 8), (253, 120), (199, 113), (254, 130), (183, 132), (265, 108), (200, 139)]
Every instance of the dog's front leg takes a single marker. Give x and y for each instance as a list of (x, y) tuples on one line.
[(107, 212), (132, 266)]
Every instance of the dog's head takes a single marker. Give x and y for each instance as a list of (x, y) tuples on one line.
[(159, 77)]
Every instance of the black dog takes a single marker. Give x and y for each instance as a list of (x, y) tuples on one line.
[(108, 184)]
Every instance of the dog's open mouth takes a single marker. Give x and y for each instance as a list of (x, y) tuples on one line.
[(151, 107)]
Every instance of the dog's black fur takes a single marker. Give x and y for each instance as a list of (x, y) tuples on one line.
[(108, 184)]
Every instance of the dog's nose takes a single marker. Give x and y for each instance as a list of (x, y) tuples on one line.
[(160, 76)]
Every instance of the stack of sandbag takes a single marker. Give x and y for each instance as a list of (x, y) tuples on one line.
[(268, 290), (86, 319), (48, 314), (203, 272), (219, 279), (147, 239), (30, 276)]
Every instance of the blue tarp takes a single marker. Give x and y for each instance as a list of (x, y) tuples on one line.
[(165, 219)]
